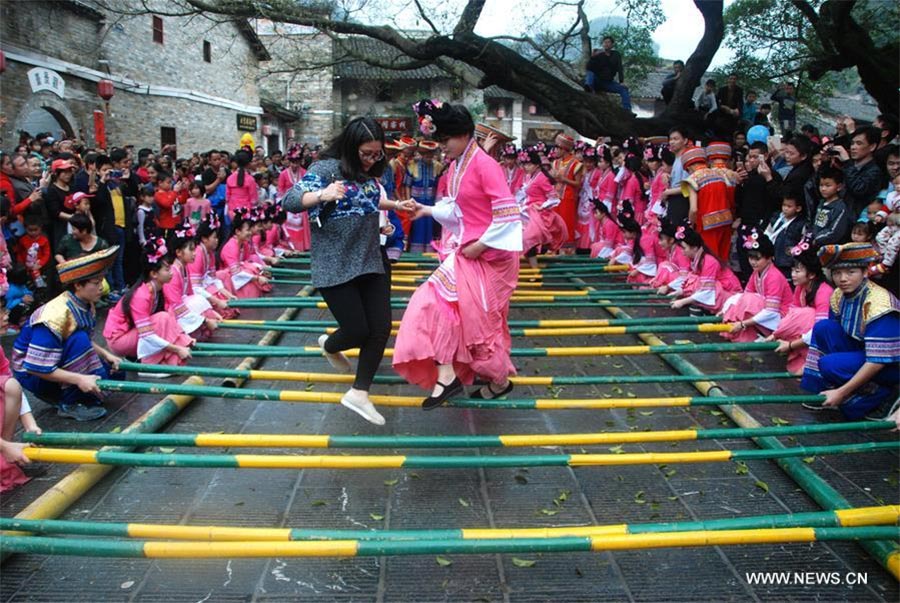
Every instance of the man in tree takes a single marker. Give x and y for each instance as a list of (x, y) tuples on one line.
[(668, 86), (605, 66), (787, 111), (730, 97)]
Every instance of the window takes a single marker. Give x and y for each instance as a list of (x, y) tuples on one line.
[(207, 51), (166, 136), (384, 93), (157, 29)]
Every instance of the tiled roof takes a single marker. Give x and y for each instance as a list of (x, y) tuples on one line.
[(354, 46)]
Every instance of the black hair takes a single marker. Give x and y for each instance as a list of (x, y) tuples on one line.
[(667, 228), (600, 206), (678, 62), (693, 239), (629, 224), (146, 268), (832, 173), (872, 134), (345, 148), (796, 196), (175, 243), (810, 262), (803, 145), (145, 190), (205, 229), (32, 220), (534, 158), (81, 222), (891, 149), (760, 146), (666, 156), (17, 275), (868, 228), (196, 184), (239, 219), (242, 158), (766, 106), (710, 81), (162, 175), (679, 129), (608, 37), (448, 120), (889, 123), (117, 155), (764, 246), (101, 160), (604, 153)]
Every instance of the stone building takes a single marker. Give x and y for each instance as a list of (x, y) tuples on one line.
[(191, 82)]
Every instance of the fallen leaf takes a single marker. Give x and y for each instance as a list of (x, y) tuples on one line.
[(616, 449), (646, 413), (464, 502), (127, 584), (319, 503), (549, 512), (741, 468), (443, 561), (523, 562), (762, 485), (521, 479), (670, 472), (166, 450), (116, 429), (779, 421), (376, 516), (639, 497), (391, 482), (413, 475), (672, 497), (809, 459), (310, 386)]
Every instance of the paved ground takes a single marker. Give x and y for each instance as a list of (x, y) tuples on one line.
[(466, 498)]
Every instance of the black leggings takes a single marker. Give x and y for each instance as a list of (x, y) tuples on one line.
[(362, 308)]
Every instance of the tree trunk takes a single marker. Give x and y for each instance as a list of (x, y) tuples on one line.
[(698, 63)]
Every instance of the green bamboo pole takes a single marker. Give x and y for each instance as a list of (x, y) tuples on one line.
[(265, 303), (531, 324), (209, 371)]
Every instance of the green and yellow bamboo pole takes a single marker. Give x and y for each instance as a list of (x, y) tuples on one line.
[(226, 349), (400, 305), (266, 440), (305, 377), (398, 461), (533, 324), (556, 272), (558, 332), (859, 517)]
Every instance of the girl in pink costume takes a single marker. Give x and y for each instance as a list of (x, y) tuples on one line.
[(455, 326), (296, 225), (243, 274), (193, 311), (545, 227), (766, 298), (660, 161), (673, 266), (139, 326), (809, 304), (512, 171), (586, 196), (241, 191), (632, 187), (709, 282), (608, 235), (203, 270)]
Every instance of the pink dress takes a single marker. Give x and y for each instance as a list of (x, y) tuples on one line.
[(659, 184), (798, 323), (245, 196), (585, 217), (633, 191), (709, 283), (459, 315), (149, 332), (646, 266), (766, 299), (11, 476), (241, 270), (545, 226), (672, 269), (608, 237), (296, 225), (190, 310), (514, 178), (202, 272)]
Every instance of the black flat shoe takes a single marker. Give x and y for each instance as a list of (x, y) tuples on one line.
[(432, 402), (477, 395)]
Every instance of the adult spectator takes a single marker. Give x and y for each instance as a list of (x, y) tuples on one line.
[(750, 108), (113, 213), (756, 199), (668, 86), (605, 66), (787, 107), (862, 176), (214, 177), (677, 205), (28, 199), (797, 155), (889, 127), (706, 98), (730, 97)]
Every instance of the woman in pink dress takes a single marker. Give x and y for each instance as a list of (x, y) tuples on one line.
[(672, 267), (512, 171), (758, 310), (660, 162), (632, 187), (709, 282), (139, 326), (607, 187), (296, 225), (586, 196), (455, 326), (194, 313), (608, 235), (203, 270), (810, 303), (241, 191), (545, 228), (242, 273)]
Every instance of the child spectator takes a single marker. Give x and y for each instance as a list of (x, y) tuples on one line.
[(19, 298), (892, 200), (145, 215), (785, 232), (266, 191), (168, 208), (876, 213), (197, 206), (862, 232), (887, 243), (706, 100), (33, 250), (831, 224)]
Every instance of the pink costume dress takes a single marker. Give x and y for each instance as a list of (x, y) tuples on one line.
[(766, 299), (608, 237), (672, 269), (204, 281), (245, 196), (241, 270), (585, 217), (659, 184), (11, 475), (190, 309), (709, 283), (799, 321), (545, 226), (296, 225), (152, 329), (633, 192), (514, 178), (259, 243), (646, 266), (459, 315)]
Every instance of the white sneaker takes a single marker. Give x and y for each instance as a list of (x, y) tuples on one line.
[(338, 361), (361, 405), (143, 375)]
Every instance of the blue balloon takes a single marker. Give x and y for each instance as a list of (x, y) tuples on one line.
[(757, 134)]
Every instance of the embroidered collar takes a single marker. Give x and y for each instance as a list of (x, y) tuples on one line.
[(461, 165)]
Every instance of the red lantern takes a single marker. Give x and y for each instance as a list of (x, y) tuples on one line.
[(2, 61), (105, 89), (532, 109)]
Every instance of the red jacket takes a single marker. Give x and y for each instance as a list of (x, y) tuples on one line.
[(25, 243)]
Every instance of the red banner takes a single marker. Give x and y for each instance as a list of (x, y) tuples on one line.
[(394, 124), (100, 129)]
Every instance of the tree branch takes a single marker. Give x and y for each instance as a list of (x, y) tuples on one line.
[(469, 17)]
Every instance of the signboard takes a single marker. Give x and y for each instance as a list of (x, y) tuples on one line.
[(100, 129), (42, 79), (246, 123), (547, 135), (395, 124)]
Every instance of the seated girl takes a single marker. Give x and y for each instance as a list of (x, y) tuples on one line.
[(545, 228), (202, 270), (139, 326), (193, 311), (709, 282), (608, 235), (758, 310), (243, 275), (809, 305), (673, 266), (14, 408)]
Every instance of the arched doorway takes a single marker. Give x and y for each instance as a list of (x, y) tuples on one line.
[(47, 119)]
